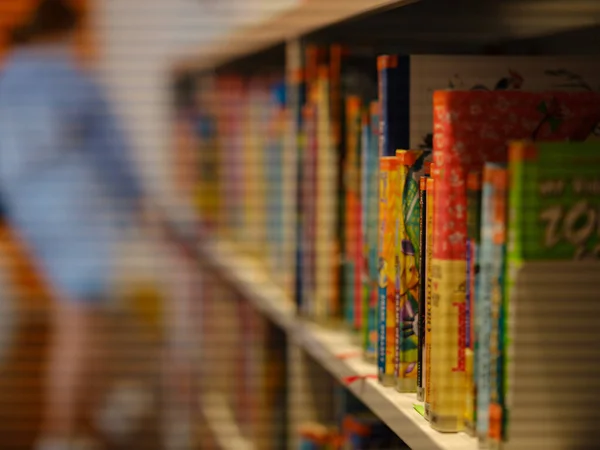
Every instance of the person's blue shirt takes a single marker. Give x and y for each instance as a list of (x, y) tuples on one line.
[(65, 175)]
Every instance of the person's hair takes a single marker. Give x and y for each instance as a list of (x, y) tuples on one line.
[(49, 19)]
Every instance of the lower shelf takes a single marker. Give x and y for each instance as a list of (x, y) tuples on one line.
[(336, 352), (333, 349)]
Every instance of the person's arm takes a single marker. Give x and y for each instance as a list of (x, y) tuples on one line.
[(111, 152)]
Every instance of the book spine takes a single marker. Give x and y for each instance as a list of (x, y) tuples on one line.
[(428, 294), (496, 341), (446, 406), (393, 87), (363, 247), (388, 200), (399, 264), (473, 231), (484, 305), (409, 247), (358, 244), (297, 101), (351, 190), (387, 66), (514, 262), (327, 293), (372, 205), (309, 184), (422, 285)]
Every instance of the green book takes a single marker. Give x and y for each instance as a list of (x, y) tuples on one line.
[(553, 238)]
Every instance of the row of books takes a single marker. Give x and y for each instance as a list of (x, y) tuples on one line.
[(240, 128), (362, 431), (386, 244), (357, 107), (446, 327), (354, 428)]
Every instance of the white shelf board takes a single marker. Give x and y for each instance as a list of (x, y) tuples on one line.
[(247, 276), (393, 408), (222, 424), (303, 17), (325, 346)]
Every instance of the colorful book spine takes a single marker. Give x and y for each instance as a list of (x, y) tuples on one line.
[(352, 297), (447, 373), (364, 246), (473, 240), (358, 248), (389, 212), (372, 231), (484, 296), (405, 159), (422, 285), (497, 315), (412, 166), (429, 290)]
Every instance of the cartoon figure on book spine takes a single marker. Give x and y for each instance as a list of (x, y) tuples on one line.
[(414, 162)]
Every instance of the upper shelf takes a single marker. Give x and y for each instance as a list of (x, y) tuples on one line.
[(302, 18), (416, 26)]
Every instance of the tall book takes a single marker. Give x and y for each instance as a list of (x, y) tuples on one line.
[(551, 368), (472, 127)]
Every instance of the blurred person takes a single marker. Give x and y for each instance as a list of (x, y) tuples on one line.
[(69, 191)]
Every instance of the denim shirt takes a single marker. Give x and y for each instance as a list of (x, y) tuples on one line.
[(65, 178)]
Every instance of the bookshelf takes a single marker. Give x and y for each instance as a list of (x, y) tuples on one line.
[(326, 347), (320, 356)]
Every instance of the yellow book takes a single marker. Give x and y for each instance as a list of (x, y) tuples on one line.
[(389, 211), (427, 353)]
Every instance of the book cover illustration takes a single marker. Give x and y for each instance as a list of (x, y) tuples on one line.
[(429, 73), (413, 163)]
